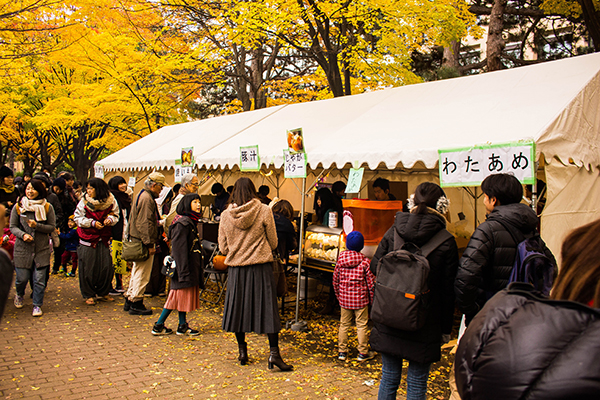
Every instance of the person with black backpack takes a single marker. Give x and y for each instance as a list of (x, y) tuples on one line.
[(487, 263), (412, 325)]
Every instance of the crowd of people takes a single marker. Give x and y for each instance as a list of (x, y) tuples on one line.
[(517, 342)]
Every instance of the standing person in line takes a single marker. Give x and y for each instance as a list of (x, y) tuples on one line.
[(353, 283), (523, 346), (263, 194), (70, 239), (287, 241), (221, 200), (67, 205), (118, 188), (8, 192), (143, 226), (189, 184), (32, 220), (184, 293), (95, 214), (247, 238), (6, 267), (428, 207)]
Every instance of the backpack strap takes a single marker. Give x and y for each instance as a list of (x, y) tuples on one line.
[(516, 234), (435, 242)]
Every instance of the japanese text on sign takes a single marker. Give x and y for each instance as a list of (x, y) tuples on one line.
[(180, 172), (470, 166), (249, 159), (99, 171), (295, 164), (354, 180)]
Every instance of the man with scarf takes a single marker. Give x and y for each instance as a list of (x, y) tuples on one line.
[(143, 226)]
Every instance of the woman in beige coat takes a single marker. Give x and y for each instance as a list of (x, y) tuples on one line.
[(247, 237)]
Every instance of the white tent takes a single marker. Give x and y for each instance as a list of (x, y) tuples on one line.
[(555, 103)]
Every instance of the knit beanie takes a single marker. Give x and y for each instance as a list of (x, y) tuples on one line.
[(5, 171), (60, 182), (355, 241)]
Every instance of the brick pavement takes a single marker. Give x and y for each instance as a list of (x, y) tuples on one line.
[(76, 351)]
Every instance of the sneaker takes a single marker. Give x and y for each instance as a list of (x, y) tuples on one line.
[(186, 330), (342, 356), (120, 290), (161, 329), (365, 357), (162, 294), (127, 305), (18, 301), (37, 311), (114, 292), (71, 274), (138, 308), (148, 295), (54, 272)]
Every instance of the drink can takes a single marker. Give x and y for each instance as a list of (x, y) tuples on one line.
[(333, 217)]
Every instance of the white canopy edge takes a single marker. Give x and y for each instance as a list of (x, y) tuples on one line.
[(554, 103)]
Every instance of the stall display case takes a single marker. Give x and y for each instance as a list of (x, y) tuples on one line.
[(322, 245)]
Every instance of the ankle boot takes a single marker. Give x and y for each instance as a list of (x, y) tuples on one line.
[(275, 359), (243, 358)]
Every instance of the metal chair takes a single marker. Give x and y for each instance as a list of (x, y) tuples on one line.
[(212, 274)]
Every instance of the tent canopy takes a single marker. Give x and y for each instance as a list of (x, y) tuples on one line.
[(554, 103)]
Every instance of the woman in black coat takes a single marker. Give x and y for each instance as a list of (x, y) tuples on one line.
[(421, 347), (521, 345), (184, 295), (118, 188)]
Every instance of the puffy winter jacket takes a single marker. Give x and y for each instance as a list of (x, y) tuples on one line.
[(521, 346), (422, 345), (487, 261)]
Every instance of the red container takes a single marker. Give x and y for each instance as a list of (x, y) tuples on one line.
[(372, 218)]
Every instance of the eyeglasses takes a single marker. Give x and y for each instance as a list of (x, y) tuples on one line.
[(194, 184)]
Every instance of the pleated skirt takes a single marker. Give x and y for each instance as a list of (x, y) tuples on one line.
[(250, 300), (184, 300)]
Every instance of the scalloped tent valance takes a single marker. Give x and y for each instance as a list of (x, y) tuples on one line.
[(555, 103)]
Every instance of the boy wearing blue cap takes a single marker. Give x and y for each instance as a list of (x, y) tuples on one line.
[(353, 284)]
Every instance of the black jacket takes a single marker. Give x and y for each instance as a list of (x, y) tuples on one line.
[(52, 198), (185, 250), (286, 236), (67, 206), (424, 344), (521, 346), (487, 262)]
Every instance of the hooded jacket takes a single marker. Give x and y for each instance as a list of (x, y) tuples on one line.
[(185, 250), (487, 261), (521, 346), (422, 345), (247, 234)]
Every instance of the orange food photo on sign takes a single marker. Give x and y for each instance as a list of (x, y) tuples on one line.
[(295, 142)]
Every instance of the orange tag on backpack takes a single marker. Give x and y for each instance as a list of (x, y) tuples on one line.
[(409, 296)]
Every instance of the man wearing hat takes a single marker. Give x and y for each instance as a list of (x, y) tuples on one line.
[(143, 225)]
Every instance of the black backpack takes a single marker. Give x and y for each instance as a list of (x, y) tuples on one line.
[(535, 263), (401, 298)]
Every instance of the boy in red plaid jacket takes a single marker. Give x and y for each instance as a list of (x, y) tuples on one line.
[(353, 284)]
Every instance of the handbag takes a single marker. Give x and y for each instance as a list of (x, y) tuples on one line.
[(279, 273), (134, 250)]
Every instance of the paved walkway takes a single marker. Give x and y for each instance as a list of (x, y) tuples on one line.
[(76, 351)]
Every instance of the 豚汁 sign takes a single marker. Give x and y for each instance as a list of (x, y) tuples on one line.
[(470, 165)]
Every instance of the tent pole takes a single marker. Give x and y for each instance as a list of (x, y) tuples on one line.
[(300, 326), (534, 189), (475, 207)]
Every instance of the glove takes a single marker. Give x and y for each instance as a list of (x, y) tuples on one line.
[(445, 338)]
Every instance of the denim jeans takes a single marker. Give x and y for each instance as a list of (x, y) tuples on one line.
[(391, 372), (39, 283)]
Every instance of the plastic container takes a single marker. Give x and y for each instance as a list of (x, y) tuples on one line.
[(372, 218)]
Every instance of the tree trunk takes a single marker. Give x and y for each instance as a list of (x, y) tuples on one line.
[(450, 58), (591, 17), (495, 42)]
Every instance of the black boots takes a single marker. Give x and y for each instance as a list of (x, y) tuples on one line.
[(275, 359), (243, 358), (138, 308)]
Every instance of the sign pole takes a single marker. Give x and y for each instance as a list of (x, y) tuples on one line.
[(300, 326)]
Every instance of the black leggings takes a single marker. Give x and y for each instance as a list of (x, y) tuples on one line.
[(273, 338)]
